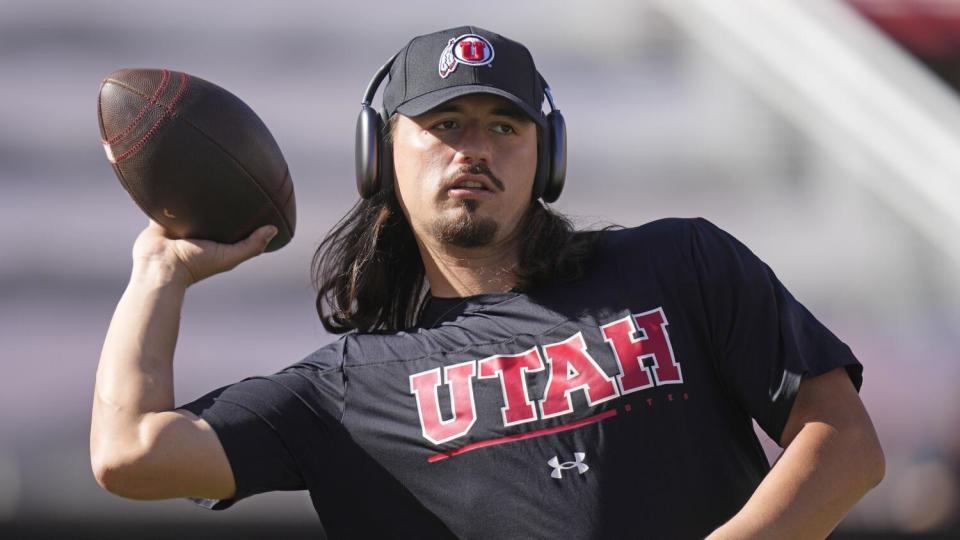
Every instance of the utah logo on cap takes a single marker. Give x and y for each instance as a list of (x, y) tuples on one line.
[(469, 49)]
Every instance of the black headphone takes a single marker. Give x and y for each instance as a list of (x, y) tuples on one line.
[(375, 168)]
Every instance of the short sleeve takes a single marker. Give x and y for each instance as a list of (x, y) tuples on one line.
[(272, 427), (765, 341)]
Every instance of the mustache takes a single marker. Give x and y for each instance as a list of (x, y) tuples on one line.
[(477, 168)]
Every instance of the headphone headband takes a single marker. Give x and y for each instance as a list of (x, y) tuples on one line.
[(376, 80)]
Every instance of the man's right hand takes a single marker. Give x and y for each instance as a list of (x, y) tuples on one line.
[(188, 261)]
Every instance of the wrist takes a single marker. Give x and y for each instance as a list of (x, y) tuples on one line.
[(160, 274)]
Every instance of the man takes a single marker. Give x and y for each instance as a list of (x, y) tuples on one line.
[(549, 383)]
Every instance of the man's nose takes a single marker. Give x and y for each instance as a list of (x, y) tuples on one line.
[(475, 144)]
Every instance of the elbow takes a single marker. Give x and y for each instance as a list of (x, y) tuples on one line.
[(869, 454), (878, 465), (107, 475), (119, 474)]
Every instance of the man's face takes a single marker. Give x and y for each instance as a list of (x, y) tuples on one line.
[(465, 170)]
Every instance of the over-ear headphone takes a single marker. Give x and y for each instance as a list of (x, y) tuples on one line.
[(375, 169)]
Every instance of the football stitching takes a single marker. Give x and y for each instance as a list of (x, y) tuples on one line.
[(169, 109), (123, 180), (153, 101), (163, 118)]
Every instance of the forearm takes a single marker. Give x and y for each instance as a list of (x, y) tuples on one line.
[(139, 446), (135, 375), (818, 479)]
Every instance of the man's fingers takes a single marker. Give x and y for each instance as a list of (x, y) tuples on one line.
[(253, 245), (264, 235), (223, 257)]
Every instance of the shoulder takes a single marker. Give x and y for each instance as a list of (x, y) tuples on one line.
[(368, 349), (667, 239), (329, 358), (669, 229)]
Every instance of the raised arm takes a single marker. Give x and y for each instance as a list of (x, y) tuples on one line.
[(140, 447)]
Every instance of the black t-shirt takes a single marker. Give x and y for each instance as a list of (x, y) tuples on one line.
[(615, 406)]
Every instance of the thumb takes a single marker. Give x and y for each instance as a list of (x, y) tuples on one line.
[(254, 244), (263, 236)]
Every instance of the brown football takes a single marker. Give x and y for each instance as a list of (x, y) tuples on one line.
[(194, 157)]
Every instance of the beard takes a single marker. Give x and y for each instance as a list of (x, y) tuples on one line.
[(465, 229)]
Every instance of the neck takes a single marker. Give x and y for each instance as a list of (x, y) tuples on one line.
[(459, 272)]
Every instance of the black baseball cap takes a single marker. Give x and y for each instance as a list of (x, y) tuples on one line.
[(435, 68)]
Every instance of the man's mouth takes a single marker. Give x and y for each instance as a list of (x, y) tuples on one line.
[(475, 178), (471, 187), (472, 182)]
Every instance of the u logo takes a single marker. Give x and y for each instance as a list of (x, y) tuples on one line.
[(472, 50)]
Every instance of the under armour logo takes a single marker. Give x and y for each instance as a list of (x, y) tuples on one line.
[(558, 467)]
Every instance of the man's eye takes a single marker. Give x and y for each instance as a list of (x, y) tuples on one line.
[(504, 129), (445, 125)]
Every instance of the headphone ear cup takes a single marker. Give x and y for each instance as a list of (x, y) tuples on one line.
[(557, 157), (367, 155)]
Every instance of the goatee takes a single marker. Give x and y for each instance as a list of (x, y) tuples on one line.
[(465, 229)]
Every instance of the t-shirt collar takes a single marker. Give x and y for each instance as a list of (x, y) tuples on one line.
[(439, 310)]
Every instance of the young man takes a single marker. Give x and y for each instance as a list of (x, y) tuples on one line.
[(546, 383)]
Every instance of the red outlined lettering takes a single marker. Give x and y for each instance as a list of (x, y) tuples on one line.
[(472, 49), (629, 353), (654, 324), (635, 339), (572, 368), (512, 370), (424, 386)]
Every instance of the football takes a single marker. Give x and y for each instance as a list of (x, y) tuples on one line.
[(194, 157)]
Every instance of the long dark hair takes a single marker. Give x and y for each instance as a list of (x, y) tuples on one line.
[(368, 272), (369, 276)]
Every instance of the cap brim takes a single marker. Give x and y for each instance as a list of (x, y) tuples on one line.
[(422, 104)]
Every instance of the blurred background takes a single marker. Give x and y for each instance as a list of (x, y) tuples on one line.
[(824, 134)]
